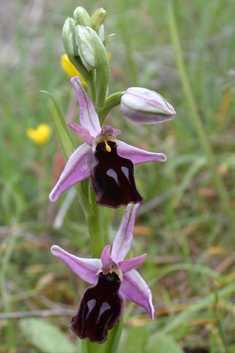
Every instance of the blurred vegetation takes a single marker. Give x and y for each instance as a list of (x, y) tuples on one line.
[(182, 225)]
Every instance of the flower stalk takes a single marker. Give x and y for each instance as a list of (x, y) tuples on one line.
[(109, 163), (95, 226)]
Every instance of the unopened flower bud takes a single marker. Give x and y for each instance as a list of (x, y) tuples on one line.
[(69, 36), (85, 47), (144, 106), (82, 17), (100, 32), (98, 17)]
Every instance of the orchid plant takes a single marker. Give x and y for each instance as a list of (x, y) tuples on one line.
[(109, 165)]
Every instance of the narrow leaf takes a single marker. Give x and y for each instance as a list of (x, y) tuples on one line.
[(137, 339), (67, 146), (45, 336), (66, 142), (160, 343)]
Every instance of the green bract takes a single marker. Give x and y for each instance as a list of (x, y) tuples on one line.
[(85, 46)]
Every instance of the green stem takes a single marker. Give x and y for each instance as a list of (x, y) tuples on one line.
[(110, 346), (5, 301), (220, 326), (84, 344), (110, 102), (91, 85), (195, 116), (106, 219), (102, 73), (95, 226)]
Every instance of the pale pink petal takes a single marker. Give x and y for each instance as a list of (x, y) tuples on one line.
[(116, 131), (134, 288), (88, 115), (105, 256), (76, 169), (128, 265), (122, 241), (86, 269), (136, 155), (82, 132)]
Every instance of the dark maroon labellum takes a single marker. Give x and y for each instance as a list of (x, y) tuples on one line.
[(99, 310), (112, 178)]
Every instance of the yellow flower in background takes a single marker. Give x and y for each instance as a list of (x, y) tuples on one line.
[(41, 134), (68, 67)]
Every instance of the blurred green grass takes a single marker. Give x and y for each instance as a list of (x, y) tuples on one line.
[(182, 221)]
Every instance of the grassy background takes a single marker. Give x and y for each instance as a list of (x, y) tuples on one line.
[(182, 225)]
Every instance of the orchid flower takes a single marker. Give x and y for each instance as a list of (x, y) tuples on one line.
[(113, 278), (107, 161)]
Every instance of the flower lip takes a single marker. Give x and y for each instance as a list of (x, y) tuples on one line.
[(112, 178), (100, 309)]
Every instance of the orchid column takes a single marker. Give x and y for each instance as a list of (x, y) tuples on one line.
[(102, 169)]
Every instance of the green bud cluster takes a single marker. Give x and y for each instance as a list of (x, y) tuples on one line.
[(79, 33), (86, 47)]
